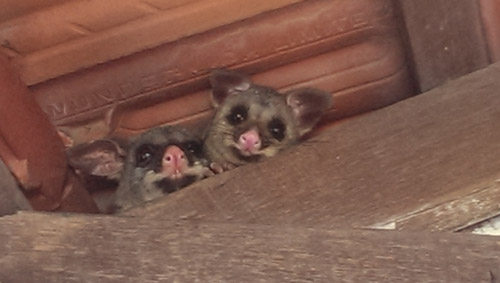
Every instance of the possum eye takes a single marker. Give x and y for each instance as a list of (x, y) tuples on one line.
[(277, 129), (237, 115), (144, 154), (194, 147)]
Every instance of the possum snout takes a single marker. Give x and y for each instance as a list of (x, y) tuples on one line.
[(174, 162), (250, 141)]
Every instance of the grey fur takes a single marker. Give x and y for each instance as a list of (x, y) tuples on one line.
[(137, 184), (299, 110)]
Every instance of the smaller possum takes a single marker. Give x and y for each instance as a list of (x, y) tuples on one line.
[(253, 122), (159, 161)]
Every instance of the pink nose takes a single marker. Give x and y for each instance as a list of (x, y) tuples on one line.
[(250, 140), (174, 156)]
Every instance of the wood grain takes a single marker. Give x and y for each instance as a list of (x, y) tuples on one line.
[(457, 214), (446, 39), (368, 171), (81, 34), (70, 248)]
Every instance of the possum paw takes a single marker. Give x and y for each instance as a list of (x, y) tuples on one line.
[(207, 172), (216, 168)]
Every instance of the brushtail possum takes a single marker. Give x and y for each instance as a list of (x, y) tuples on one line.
[(157, 162), (253, 122)]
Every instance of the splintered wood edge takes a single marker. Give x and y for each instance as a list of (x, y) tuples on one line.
[(69, 247), (453, 213)]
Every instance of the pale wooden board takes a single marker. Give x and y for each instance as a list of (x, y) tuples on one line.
[(369, 171), (71, 248), (455, 214)]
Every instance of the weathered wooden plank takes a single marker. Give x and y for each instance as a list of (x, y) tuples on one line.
[(446, 39), (456, 214), (55, 248), (375, 169)]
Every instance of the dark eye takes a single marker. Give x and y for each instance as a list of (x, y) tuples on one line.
[(144, 154), (237, 115), (277, 129), (194, 147)]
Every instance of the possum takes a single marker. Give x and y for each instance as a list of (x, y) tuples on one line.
[(160, 161), (253, 122), (157, 162)]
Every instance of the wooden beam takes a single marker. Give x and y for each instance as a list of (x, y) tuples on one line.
[(446, 39), (456, 214), (490, 15), (13, 8), (71, 248), (376, 170), (11, 197), (81, 34)]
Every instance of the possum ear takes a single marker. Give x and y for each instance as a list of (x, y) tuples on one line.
[(308, 105), (225, 83), (103, 158)]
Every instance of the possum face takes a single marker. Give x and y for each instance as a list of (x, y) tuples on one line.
[(253, 122), (255, 125), (157, 162)]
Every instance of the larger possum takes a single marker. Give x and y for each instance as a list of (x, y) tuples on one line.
[(253, 122), (157, 162)]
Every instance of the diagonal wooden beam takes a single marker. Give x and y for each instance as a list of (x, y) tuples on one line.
[(376, 170)]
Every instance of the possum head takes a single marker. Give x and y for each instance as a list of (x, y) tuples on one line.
[(157, 162), (252, 122), (160, 161)]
